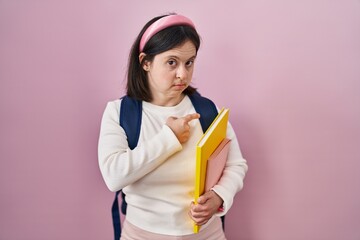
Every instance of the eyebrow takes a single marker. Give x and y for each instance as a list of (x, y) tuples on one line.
[(176, 57)]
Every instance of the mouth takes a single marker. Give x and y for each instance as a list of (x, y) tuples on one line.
[(180, 85)]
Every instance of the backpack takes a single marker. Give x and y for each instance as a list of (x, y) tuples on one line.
[(130, 121)]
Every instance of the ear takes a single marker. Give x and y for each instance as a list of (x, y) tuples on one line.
[(146, 64)]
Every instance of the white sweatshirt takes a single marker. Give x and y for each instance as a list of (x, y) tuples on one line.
[(158, 176)]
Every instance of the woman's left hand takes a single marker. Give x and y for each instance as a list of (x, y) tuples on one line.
[(207, 205)]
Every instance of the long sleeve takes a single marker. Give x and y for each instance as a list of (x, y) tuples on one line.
[(121, 166), (158, 176)]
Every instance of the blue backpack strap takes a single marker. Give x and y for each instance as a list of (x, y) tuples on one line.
[(130, 121), (116, 217), (206, 108)]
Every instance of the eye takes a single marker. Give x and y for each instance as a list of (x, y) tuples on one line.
[(190, 63), (172, 62)]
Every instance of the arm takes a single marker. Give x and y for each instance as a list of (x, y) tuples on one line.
[(121, 166)]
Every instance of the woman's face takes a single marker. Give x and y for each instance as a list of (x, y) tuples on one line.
[(170, 73)]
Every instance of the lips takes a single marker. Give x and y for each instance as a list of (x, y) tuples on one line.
[(180, 84)]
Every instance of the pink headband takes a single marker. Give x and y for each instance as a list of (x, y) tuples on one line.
[(162, 23)]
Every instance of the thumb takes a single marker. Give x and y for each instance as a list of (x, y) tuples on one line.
[(203, 198), (172, 118)]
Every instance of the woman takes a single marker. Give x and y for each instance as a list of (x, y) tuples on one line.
[(158, 175)]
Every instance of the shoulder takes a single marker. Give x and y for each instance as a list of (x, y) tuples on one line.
[(113, 105), (112, 110)]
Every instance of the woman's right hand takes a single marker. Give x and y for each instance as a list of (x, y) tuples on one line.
[(181, 127)]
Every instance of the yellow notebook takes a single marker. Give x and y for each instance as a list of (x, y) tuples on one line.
[(207, 144)]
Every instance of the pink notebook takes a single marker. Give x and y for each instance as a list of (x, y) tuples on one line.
[(216, 164)]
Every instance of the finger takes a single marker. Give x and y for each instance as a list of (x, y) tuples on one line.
[(203, 198), (202, 221), (198, 209), (191, 116), (186, 134), (172, 118), (195, 208), (198, 214), (199, 219)]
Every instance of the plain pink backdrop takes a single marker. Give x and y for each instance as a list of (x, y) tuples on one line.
[(289, 71)]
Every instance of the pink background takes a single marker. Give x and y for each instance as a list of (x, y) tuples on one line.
[(289, 71)]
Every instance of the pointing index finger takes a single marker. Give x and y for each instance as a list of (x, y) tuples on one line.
[(191, 116)]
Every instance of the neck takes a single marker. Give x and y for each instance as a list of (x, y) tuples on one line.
[(167, 101)]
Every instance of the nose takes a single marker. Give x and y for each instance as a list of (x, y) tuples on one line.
[(182, 72)]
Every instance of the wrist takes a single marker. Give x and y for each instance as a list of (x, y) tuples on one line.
[(220, 201)]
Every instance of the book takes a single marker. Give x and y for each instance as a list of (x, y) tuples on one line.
[(205, 147), (216, 164)]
